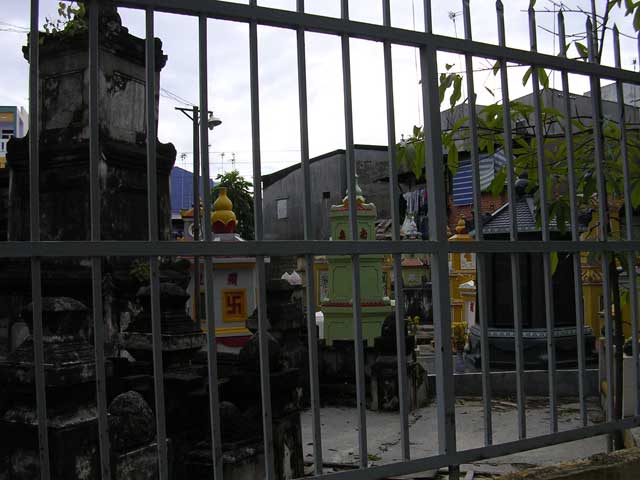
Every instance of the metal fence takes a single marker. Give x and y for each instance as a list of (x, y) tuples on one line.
[(429, 44)]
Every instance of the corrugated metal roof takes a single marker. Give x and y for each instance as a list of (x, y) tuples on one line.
[(463, 180), (182, 189)]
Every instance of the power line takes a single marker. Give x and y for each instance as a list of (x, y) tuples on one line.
[(14, 26), (175, 97), (218, 152)]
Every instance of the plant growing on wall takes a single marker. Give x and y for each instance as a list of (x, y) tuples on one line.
[(72, 18)]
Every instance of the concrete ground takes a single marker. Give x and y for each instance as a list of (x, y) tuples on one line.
[(340, 440)]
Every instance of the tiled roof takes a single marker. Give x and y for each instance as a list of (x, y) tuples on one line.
[(526, 218)]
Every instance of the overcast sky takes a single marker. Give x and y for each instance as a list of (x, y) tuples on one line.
[(229, 73)]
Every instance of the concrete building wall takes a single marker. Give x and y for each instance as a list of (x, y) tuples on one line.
[(630, 93), (328, 186), (580, 107), (326, 183), (551, 98)]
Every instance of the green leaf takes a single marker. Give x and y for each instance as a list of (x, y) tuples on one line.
[(443, 85), (491, 147), (490, 91), (613, 3), (497, 185), (410, 154), (496, 67), (629, 4), (636, 19), (419, 157), (459, 123), (457, 90), (554, 262), (418, 160), (544, 78), (532, 3), (583, 51), (452, 158), (527, 74)]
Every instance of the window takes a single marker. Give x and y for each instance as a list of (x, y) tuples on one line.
[(281, 208), (521, 126)]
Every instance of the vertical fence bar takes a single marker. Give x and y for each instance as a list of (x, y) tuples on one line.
[(314, 380), (635, 322), (196, 208), (608, 327), (515, 258), (435, 175), (598, 140), (152, 200), (544, 221), (596, 113), (355, 259), (212, 356), (403, 387), (34, 223), (477, 220), (594, 26), (259, 235), (628, 210), (96, 262), (575, 233), (633, 286)]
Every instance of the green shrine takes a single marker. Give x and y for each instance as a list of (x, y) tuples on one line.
[(338, 307)]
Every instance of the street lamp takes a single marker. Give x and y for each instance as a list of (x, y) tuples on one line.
[(193, 114), (212, 121)]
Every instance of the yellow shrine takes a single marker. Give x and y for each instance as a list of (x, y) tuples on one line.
[(234, 281), (462, 270)]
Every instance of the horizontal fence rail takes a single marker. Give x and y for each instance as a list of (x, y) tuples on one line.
[(40, 253), (298, 247)]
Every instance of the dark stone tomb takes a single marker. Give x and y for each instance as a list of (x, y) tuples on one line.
[(500, 296), (64, 164), (69, 368)]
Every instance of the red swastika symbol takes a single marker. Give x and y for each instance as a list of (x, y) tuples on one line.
[(234, 304)]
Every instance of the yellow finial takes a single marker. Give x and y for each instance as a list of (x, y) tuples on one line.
[(461, 227), (223, 218)]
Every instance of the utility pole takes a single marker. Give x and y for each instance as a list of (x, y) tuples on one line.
[(193, 114)]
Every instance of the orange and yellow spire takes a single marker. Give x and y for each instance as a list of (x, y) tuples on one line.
[(223, 220)]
